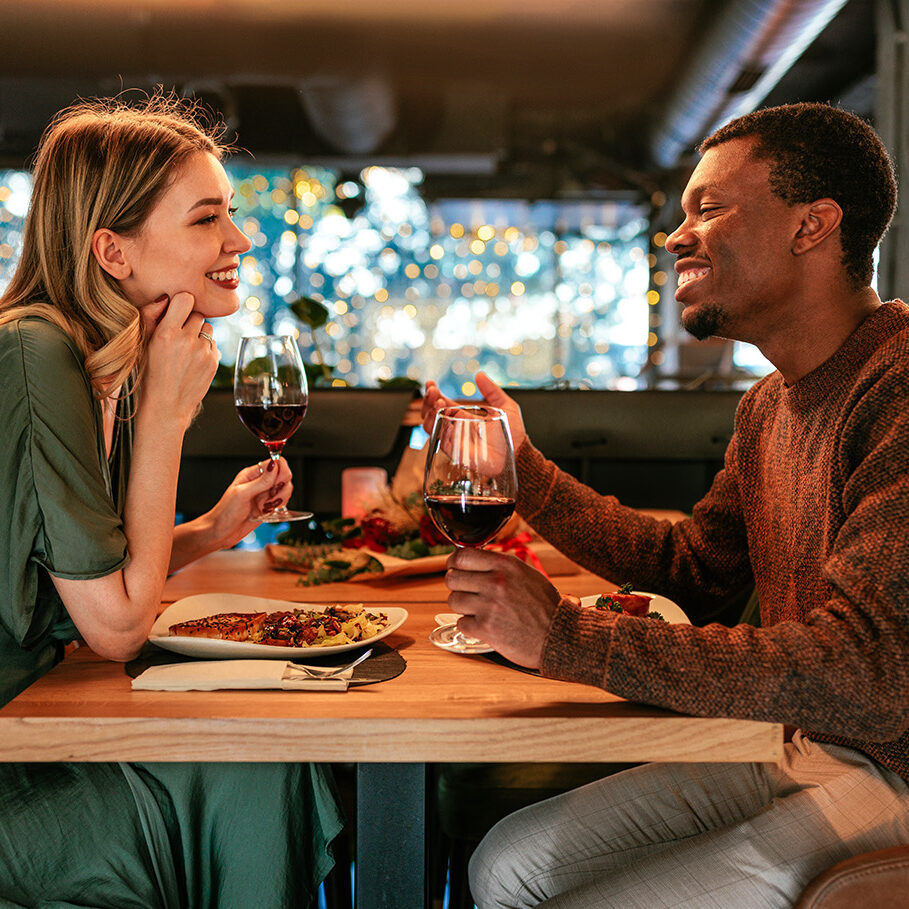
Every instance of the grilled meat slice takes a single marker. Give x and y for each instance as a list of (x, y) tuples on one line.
[(226, 626)]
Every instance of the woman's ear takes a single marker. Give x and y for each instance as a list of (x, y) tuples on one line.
[(108, 250), (819, 220)]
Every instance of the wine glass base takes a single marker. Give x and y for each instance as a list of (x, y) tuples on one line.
[(278, 517)]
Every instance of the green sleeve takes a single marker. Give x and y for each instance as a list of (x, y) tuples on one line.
[(58, 512)]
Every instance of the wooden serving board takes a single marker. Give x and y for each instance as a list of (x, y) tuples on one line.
[(284, 558)]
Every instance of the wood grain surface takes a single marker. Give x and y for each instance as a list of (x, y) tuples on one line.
[(444, 707)]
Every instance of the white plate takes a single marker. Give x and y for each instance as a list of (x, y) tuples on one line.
[(666, 608), (444, 637), (206, 604)]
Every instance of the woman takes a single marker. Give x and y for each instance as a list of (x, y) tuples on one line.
[(105, 356)]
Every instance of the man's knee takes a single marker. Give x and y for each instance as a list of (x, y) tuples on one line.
[(498, 869)]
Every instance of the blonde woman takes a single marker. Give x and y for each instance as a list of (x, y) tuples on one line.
[(105, 355)]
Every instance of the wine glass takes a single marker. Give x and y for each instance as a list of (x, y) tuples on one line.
[(271, 396), (470, 483)]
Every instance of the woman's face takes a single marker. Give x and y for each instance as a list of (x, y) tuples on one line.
[(189, 243)]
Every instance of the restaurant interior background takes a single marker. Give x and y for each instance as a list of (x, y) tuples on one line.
[(466, 184), (482, 184)]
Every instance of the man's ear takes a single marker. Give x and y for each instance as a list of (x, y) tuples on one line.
[(819, 220), (108, 248)]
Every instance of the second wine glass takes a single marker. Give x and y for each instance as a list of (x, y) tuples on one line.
[(470, 484), (271, 396)]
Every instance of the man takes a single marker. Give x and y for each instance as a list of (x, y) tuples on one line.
[(782, 215)]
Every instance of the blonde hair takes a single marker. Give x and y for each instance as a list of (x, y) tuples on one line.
[(100, 164)]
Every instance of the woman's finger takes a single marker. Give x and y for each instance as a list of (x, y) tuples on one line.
[(180, 310), (153, 312), (206, 333)]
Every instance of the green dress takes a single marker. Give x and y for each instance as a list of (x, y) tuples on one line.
[(117, 835)]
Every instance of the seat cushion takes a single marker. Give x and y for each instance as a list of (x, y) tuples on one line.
[(878, 879)]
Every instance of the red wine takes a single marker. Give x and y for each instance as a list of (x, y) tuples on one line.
[(273, 425), (469, 520)]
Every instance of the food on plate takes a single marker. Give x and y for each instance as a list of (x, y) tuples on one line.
[(623, 600), (338, 624), (226, 626)]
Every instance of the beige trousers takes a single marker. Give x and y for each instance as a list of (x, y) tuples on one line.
[(699, 836)]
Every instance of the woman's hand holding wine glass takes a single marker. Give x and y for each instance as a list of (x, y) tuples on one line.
[(271, 396)]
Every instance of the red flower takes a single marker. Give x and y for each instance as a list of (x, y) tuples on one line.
[(430, 534), (379, 533)]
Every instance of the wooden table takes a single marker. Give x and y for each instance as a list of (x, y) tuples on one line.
[(444, 707)]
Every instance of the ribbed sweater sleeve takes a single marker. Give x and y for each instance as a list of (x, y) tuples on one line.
[(814, 500), (697, 563)]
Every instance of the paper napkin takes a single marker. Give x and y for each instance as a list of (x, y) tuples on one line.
[(212, 675)]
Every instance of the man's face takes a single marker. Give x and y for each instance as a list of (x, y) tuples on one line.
[(735, 262)]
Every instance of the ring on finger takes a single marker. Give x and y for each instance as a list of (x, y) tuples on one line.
[(261, 468), (207, 337)]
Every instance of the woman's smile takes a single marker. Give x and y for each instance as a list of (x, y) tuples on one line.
[(226, 278)]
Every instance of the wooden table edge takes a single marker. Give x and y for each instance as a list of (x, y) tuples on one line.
[(391, 740)]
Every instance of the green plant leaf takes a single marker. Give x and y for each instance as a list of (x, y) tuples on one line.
[(309, 311), (400, 382), (317, 374)]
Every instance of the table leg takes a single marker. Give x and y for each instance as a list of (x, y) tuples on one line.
[(391, 866)]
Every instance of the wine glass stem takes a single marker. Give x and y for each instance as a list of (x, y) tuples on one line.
[(275, 455)]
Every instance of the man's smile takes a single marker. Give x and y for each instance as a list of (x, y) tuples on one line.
[(692, 274), (689, 275)]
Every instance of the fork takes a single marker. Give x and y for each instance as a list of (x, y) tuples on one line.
[(319, 672)]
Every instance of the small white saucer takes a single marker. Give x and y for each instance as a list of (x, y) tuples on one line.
[(447, 618), (444, 637)]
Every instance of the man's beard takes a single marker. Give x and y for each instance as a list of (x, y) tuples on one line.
[(704, 321)]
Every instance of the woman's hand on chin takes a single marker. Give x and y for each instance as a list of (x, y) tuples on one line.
[(152, 313), (180, 364)]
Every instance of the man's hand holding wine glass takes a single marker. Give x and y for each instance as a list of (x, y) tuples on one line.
[(433, 400), (503, 601), (470, 489)]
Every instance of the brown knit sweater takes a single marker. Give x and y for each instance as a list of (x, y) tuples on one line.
[(812, 507)]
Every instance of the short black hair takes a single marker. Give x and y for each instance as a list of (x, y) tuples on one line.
[(817, 151)]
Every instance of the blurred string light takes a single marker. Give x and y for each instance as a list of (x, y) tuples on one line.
[(15, 194), (417, 286), (533, 293)]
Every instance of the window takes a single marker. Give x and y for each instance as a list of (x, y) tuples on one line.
[(15, 193), (535, 293)]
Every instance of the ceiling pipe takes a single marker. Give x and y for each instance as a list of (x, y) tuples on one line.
[(749, 46)]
